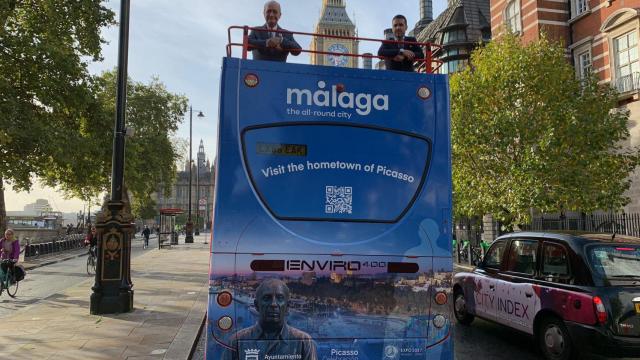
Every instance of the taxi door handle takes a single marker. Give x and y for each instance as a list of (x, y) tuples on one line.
[(528, 295), (492, 287)]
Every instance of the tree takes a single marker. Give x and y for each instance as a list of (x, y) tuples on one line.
[(44, 82), (527, 134), (151, 154)]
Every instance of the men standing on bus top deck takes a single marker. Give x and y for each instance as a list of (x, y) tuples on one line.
[(269, 44), (400, 56), (271, 335)]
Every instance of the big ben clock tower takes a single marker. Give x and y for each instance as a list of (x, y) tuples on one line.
[(335, 21)]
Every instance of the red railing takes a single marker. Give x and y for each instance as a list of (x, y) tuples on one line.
[(429, 64)]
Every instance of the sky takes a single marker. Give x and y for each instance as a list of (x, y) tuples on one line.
[(183, 43)]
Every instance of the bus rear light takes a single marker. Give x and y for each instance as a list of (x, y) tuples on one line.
[(601, 312), (441, 298), (224, 299), (225, 323), (251, 80), (439, 321)]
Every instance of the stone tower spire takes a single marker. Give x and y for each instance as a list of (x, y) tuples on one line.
[(201, 157), (335, 21), (339, 3)]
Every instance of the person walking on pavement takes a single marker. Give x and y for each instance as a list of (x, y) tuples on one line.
[(146, 233)]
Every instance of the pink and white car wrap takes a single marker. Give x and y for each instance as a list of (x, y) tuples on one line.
[(517, 304)]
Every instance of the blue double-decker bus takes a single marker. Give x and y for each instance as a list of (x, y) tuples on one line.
[(331, 227)]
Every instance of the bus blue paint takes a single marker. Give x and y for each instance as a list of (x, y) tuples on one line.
[(338, 182)]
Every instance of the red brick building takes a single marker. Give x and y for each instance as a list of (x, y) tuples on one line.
[(601, 37)]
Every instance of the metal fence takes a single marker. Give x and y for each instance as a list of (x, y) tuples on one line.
[(468, 229), (624, 224), (467, 233)]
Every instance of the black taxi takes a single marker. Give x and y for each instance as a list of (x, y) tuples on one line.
[(575, 292)]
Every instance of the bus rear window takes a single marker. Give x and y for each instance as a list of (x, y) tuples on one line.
[(337, 172)]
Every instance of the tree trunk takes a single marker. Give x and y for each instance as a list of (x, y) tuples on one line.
[(3, 210)]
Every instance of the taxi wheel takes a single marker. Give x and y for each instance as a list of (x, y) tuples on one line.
[(460, 309), (554, 340)]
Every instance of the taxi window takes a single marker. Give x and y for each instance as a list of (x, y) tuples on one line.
[(522, 257), (616, 261), (493, 259), (555, 262)]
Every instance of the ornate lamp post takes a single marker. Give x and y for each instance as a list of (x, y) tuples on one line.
[(112, 290), (189, 226)]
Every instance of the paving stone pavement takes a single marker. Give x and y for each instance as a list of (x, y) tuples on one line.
[(170, 297)]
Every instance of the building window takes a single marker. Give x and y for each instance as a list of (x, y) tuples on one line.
[(581, 6), (584, 64), (452, 66), (486, 34), (454, 35), (626, 58), (512, 17)]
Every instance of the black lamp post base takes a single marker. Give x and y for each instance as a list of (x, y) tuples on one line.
[(112, 291), (122, 303)]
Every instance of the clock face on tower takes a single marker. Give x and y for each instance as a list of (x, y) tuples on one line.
[(338, 60)]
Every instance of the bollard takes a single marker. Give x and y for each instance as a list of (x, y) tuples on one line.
[(27, 251)]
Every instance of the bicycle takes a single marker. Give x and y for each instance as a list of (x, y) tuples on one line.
[(91, 261), (7, 281)]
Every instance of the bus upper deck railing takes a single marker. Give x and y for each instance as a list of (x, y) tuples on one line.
[(429, 64)]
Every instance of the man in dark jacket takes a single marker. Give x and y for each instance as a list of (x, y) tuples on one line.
[(146, 233), (398, 54), (271, 44)]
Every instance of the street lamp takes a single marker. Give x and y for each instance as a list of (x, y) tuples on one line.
[(198, 195), (189, 226), (112, 291)]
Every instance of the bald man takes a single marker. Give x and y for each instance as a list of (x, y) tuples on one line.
[(266, 43), (271, 335)]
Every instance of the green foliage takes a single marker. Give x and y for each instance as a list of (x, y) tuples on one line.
[(527, 134), (151, 154), (44, 83), (144, 209)]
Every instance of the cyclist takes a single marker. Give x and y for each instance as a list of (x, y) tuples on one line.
[(10, 249), (92, 241), (146, 233)]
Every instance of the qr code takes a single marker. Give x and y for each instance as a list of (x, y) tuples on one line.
[(339, 200)]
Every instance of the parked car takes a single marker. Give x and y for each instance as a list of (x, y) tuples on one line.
[(575, 292)]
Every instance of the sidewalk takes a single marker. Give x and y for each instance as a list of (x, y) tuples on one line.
[(170, 301), (43, 260)]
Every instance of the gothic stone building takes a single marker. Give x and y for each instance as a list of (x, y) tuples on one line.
[(202, 184), (459, 29)]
